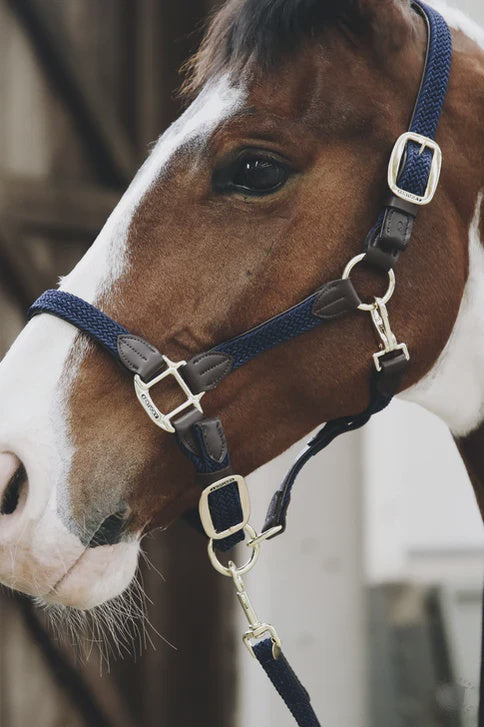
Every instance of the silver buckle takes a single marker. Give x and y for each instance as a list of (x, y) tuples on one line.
[(395, 162), (143, 393), (204, 509)]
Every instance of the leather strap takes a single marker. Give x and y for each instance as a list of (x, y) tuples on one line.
[(207, 370), (335, 299), (139, 356), (203, 441), (390, 237), (384, 385)]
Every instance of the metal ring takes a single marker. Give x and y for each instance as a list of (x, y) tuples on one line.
[(223, 569), (391, 282)]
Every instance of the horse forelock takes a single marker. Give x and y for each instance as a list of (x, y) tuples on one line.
[(266, 32)]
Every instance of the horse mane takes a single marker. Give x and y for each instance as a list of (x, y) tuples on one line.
[(259, 30)]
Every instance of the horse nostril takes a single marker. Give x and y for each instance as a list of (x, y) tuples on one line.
[(111, 529), (13, 478), (11, 495)]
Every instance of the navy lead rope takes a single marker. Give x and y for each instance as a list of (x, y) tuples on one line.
[(202, 440)]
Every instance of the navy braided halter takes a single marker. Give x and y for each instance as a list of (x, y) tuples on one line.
[(413, 177)]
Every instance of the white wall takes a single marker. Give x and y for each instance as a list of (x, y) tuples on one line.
[(308, 583), (473, 8), (417, 493)]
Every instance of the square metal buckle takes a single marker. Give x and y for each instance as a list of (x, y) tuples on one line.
[(395, 162), (143, 393), (206, 515)]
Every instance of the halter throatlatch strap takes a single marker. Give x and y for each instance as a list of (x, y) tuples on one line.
[(384, 386), (224, 507)]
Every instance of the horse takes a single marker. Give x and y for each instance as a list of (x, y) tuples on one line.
[(263, 189)]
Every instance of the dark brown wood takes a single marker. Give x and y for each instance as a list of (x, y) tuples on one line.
[(58, 220), (182, 26), (149, 96), (197, 683), (105, 140), (66, 205)]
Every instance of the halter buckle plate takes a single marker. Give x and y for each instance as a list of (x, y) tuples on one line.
[(142, 389), (399, 150), (206, 515)]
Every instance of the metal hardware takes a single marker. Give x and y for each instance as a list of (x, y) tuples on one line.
[(265, 535), (379, 316), (143, 393), (391, 282), (394, 166), (257, 629), (225, 570), (206, 515)]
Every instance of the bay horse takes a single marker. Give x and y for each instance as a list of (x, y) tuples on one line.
[(264, 188)]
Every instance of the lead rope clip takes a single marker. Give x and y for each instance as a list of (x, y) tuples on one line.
[(257, 629), (389, 343)]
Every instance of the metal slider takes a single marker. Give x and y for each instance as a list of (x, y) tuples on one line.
[(206, 515), (389, 343), (264, 536), (142, 389)]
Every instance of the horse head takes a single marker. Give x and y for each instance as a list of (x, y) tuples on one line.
[(261, 191)]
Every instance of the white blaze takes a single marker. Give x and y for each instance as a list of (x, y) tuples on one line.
[(105, 261)]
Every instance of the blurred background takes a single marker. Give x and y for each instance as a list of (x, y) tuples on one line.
[(376, 587)]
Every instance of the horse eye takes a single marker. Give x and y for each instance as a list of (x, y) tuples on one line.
[(258, 176)]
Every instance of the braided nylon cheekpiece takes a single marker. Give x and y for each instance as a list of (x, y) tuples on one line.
[(415, 174)]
